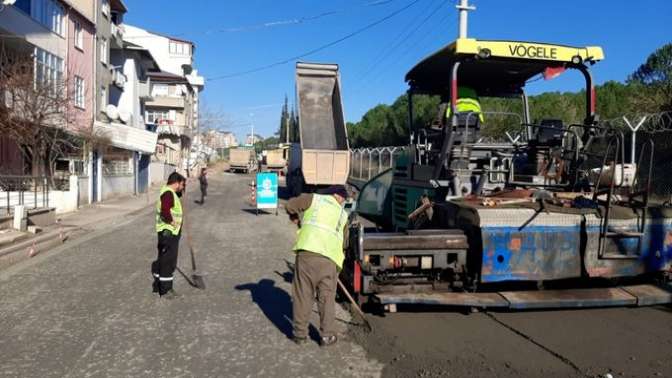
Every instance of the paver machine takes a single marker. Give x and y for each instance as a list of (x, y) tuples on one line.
[(555, 217)]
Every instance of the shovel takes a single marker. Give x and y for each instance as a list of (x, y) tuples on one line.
[(196, 277)]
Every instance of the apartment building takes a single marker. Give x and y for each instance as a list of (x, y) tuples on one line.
[(123, 165), (173, 113)]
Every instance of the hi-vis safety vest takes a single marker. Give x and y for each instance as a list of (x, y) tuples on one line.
[(175, 211), (322, 228), (466, 105)]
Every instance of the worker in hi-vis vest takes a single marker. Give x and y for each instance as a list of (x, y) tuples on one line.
[(169, 228), (322, 222), (467, 101)]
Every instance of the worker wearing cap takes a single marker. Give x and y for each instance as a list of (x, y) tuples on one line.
[(322, 220), (467, 101), (168, 228)]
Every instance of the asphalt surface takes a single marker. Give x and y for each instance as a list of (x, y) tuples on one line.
[(86, 310)]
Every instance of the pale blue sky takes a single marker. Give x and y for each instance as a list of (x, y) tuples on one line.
[(233, 36)]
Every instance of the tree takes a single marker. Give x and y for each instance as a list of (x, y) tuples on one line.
[(294, 134), (653, 80), (36, 113), (284, 119)]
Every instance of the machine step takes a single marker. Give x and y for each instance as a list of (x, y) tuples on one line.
[(633, 295)]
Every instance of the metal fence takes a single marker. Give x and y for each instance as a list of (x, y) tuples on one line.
[(366, 163), (29, 191)]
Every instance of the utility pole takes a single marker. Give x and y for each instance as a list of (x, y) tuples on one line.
[(464, 9), (252, 126)]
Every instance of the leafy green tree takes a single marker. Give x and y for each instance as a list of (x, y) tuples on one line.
[(653, 81)]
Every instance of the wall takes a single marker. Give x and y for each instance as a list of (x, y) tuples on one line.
[(103, 76), (83, 191), (80, 63), (159, 172), (158, 46), (114, 186), (85, 7)]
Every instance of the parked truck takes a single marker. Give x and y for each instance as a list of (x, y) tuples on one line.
[(276, 160), (242, 160), (321, 158)]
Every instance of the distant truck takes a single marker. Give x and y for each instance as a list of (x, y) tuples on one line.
[(242, 160), (322, 157), (276, 160)]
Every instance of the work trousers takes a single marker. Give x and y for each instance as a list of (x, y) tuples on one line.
[(314, 274), (166, 262), (204, 193)]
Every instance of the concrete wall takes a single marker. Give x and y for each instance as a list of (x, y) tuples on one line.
[(159, 172), (114, 186), (85, 7), (83, 191)]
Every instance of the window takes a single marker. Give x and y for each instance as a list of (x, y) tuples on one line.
[(103, 98), (153, 116), (47, 12), (79, 36), (79, 92), (103, 50), (179, 48), (159, 90), (105, 7), (48, 69)]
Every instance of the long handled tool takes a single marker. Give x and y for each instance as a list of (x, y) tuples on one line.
[(354, 305), (196, 277)]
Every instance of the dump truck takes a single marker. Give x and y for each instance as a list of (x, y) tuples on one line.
[(538, 221), (242, 160), (322, 156), (276, 159)]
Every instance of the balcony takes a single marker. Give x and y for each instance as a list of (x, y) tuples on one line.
[(144, 90), (117, 32), (167, 127), (166, 102), (118, 77)]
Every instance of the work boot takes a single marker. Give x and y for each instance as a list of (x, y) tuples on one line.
[(170, 295), (328, 340), (299, 340)]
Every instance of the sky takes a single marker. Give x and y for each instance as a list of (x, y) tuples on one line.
[(234, 36)]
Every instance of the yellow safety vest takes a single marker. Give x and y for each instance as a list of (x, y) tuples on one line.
[(322, 227), (466, 105), (175, 211)]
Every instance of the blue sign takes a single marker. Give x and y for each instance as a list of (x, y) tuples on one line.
[(267, 190)]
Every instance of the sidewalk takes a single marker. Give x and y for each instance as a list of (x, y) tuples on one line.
[(18, 246)]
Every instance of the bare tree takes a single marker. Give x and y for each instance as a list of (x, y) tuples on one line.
[(37, 113)]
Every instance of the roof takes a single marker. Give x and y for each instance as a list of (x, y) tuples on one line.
[(144, 53), (118, 5), (495, 67)]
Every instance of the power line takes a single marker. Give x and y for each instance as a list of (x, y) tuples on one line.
[(401, 42), (315, 50), (295, 21), (386, 50), (379, 73)]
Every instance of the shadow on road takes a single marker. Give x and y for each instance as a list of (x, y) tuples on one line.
[(276, 304), (256, 211)]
